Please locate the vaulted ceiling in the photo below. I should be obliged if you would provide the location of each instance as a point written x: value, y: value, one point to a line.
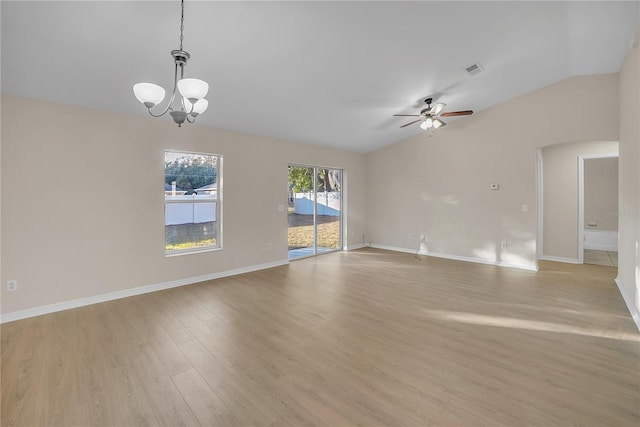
x: 327, y: 73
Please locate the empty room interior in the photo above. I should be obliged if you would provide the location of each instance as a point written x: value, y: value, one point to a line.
x: 238, y: 213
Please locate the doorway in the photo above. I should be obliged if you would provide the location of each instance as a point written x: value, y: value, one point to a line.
x: 561, y: 217
x: 314, y: 210
x: 597, y: 209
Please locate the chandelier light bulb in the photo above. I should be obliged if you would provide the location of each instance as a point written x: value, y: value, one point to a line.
x: 193, y: 89
x: 195, y: 109
x: 148, y: 93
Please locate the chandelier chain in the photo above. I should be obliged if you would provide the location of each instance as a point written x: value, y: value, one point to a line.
x: 181, y: 24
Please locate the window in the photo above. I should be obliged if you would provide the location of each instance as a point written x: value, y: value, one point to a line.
x: 191, y: 202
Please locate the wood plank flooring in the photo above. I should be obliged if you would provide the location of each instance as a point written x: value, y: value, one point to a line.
x: 607, y: 258
x: 367, y: 337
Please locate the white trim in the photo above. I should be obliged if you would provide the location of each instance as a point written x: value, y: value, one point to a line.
x: 540, y: 200
x: 560, y: 259
x: 354, y: 247
x: 531, y: 267
x: 633, y: 310
x: 81, y: 302
x: 581, y: 159
x: 393, y: 248
x: 580, y: 209
x: 608, y: 248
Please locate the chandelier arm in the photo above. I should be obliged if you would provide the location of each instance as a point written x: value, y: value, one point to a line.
x: 173, y: 95
x: 184, y: 107
x: 191, y: 121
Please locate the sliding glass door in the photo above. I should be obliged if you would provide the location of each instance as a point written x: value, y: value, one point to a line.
x: 314, y: 210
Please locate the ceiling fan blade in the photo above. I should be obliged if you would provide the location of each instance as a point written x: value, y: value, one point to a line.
x: 457, y: 113
x: 437, y: 107
x: 437, y: 123
x: 406, y: 115
x: 410, y: 123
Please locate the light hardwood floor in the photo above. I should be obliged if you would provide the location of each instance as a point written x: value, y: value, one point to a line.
x: 368, y: 337
x: 607, y: 258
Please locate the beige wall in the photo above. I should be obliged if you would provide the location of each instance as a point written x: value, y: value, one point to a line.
x: 560, y: 195
x: 629, y: 181
x: 440, y: 185
x: 80, y: 164
x: 601, y: 194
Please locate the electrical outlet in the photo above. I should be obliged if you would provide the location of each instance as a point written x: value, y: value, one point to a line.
x: 12, y: 285
x: 269, y: 246
x: 409, y: 236
x: 503, y: 245
x: 525, y: 208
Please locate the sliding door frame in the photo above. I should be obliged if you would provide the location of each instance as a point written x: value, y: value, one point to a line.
x: 316, y: 168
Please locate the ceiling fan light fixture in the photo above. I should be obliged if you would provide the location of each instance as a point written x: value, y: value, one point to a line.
x: 427, y: 123
x: 429, y: 117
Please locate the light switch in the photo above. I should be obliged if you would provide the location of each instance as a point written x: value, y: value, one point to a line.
x: 525, y: 207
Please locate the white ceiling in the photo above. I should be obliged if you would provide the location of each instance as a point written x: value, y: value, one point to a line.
x: 327, y: 73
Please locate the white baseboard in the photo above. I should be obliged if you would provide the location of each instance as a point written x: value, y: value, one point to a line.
x: 633, y: 310
x: 354, y: 247
x: 559, y: 259
x: 394, y: 248
x: 531, y: 267
x: 600, y: 247
x: 81, y: 302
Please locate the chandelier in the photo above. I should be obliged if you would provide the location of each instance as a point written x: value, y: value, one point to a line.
x: 191, y: 92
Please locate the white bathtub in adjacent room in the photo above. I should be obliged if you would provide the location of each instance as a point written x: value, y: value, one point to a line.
x: 601, y: 240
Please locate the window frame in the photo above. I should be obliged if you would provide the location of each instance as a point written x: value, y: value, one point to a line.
x: 217, y: 201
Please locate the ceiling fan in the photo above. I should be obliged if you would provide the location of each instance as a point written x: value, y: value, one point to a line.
x: 430, y: 116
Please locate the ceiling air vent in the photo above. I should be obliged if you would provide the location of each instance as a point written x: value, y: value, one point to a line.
x: 474, y: 69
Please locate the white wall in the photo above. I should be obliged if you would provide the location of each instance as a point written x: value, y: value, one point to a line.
x: 560, y: 194
x: 629, y: 182
x: 68, y: 155
x: 440, y: 186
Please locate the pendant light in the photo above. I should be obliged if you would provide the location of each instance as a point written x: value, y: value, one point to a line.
x: 191, y: 92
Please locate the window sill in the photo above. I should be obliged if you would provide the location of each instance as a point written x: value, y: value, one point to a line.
x: 190, y: 251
